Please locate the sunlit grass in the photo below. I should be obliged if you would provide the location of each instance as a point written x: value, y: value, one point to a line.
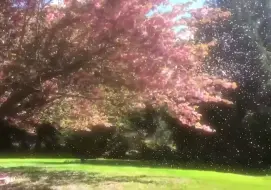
x: 111, y: 174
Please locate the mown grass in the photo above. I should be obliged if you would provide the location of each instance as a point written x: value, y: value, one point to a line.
x: 32, y: 173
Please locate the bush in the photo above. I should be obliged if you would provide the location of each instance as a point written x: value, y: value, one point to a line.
x: 89, y: 144
x: 117, y: 147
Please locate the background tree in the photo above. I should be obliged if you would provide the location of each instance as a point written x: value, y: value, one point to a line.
x: 242, y: 55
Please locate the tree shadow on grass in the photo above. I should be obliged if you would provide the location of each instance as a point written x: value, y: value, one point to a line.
x: 263, y: 171
x: 42, y: 179
x: 171, y: 165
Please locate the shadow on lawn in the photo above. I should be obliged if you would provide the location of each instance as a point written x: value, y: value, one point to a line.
x: 170, y: 165
x: 41, y: 179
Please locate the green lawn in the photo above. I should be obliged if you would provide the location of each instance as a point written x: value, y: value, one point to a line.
x: 30, y: 173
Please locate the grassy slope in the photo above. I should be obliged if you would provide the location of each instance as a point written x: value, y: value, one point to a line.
x: 104, y: 174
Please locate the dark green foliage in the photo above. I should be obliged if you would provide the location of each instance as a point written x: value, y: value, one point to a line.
x: 47, y: 135
x: 243, y: 55
x: 90, y: 144
x: 117, y: 147
x: 241, y: 52
x: 14, y: 138
x: 149, y: 135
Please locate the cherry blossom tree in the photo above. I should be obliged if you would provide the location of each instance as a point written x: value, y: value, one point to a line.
x: 93, y: 60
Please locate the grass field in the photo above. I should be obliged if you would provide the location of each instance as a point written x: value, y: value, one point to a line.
x: 30, y: 173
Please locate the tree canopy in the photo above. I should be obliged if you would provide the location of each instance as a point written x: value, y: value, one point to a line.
x: 89, y: 60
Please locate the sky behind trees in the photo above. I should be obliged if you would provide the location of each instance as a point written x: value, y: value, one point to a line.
x: 197, y: 4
